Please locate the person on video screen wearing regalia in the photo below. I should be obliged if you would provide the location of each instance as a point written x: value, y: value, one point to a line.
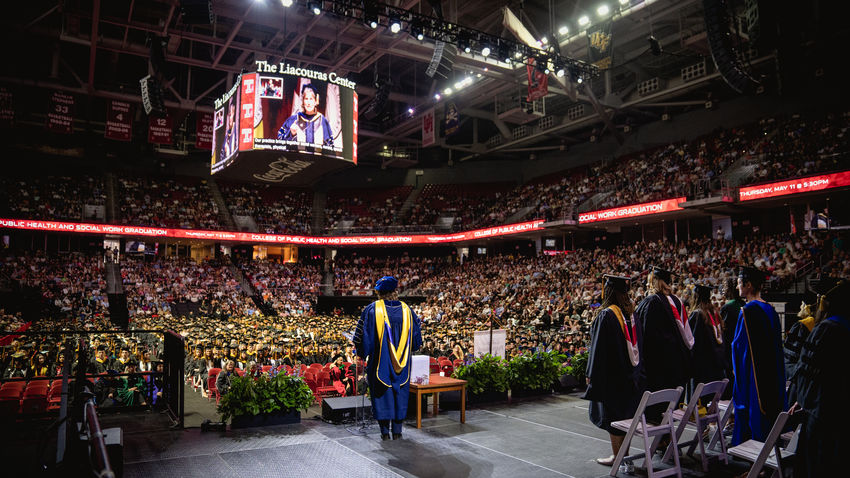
x: 308, y: 125
x: 709, y: 349
x: 231, y: 134
x: 387, y: 335
x: 667, y: 338
x: 824, y: 389
x: 614, y: 383
x: 757, y: 357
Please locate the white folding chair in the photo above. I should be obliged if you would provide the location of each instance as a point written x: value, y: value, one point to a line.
x: 726, y: 409
x: 769, y: 453
x: 712, y: 415
x: 638, y: 424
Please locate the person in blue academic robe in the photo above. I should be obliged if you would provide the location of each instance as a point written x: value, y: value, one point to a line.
x: 387, y: 335
x: 759, y: 388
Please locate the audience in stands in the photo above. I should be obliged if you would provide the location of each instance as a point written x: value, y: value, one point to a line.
x: 165, y: 202
x: 52, y: 198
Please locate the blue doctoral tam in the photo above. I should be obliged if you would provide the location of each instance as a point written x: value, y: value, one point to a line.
x: 386, y: 284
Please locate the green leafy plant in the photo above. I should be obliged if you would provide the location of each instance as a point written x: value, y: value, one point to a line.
x: 535, y: 372
x: 578, y: 366
x: 264, y: 394
x: 487, y: 373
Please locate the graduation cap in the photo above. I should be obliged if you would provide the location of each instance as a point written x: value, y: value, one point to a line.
x: 752, y: 275
x: 617, y: 283
x: 386, y: 284
x: 662, y: 274
x: 821, y: 287
x: 703, y: 292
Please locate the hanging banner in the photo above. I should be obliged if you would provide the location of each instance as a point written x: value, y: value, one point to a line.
x: 246, y: 116
x: 452, y: 119
x: 538, y: 81
x: 119, y: 121
x: 204, y: 131
x: 599, y: 45
x: 7, y: 109
x: 60, y: 113
x: 159, y: 129
x: 795, y: 186
x: 257, y: 238
x: 428, y: 135
x: 634, y: 210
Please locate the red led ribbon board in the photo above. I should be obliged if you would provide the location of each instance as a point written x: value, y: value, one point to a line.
x: 795, y: 186
x: 251, y: 237
x: 634, y: 210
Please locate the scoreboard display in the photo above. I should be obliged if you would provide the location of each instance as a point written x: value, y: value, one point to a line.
x: 285, y: 125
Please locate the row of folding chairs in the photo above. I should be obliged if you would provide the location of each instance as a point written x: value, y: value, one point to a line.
x: 768, y: 454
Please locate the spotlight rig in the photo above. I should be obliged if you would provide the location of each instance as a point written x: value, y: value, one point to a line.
x: 468, y: 40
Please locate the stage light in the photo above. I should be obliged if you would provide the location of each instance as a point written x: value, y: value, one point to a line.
x: 395, y: 25
x: 286, y: 3
x: 417, y: 32
x: 410, y: 111
x: 579, y: 80
x: 518, y: 55
x: 603, y: 10
x: 436, y: 96
x: 544, y: 40
x: 560, y: 72
x: 583, y: 20
x: 447, y: 91
x: 624, y: 2
x: 371, y: 18
x: 485, y: 50
x: 563, y: 30
x: 315, y: 7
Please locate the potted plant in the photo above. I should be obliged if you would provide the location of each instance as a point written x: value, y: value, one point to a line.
x: 267, y: 399
x: 486, y: 377
x: 534, y: 374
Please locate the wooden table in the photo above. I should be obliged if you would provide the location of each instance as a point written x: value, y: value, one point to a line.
x: 437, y: 384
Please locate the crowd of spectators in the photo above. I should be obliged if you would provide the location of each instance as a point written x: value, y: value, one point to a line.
x: 365, y: 208
x: 52, y: 198
x: 466, y: 204
x: 545, y: 302
x: 276, y: 210
x: 168, y: 202
x: 153, y: 285
x: 291, y: 289
x: 71, y: 285
x: 355, y: 275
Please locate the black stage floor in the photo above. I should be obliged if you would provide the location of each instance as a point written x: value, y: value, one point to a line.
x: 547, y: 437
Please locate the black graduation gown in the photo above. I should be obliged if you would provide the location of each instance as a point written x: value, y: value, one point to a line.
x: 666, y: 358
x: 824, y: 393
x: 615, y: 384
x: 729, y: 315
x: 792, y: 348
x: 709, y: 357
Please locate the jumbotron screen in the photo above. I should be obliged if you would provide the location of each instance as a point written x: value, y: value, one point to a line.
x: 285, y: 125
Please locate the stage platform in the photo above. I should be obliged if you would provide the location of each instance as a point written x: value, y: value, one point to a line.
x: 547, y: 437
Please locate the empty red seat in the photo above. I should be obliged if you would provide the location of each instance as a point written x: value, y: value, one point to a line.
x: 34, y: 403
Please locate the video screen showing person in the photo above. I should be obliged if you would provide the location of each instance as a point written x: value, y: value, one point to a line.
x: 226, y: 132
x: 304, y: 115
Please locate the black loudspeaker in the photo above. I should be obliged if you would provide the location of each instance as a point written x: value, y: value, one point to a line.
x: 118, y: 312
x: 722, y: 51
x: 344, y: 409
x: 197, y: 12
x: 442, y: 61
